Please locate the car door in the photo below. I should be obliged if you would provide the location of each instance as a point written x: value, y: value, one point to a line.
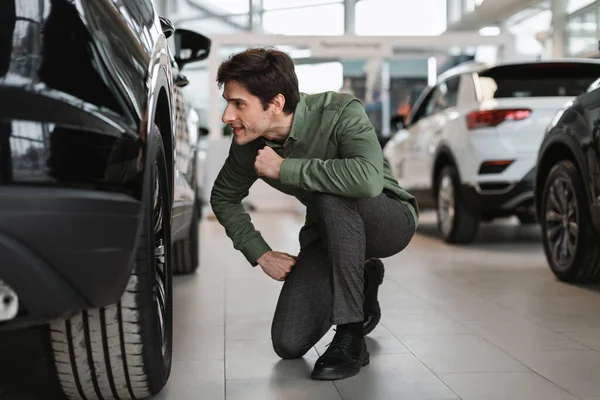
x: 419, y: 129
x: 398, y: 151
x: 442, y: 104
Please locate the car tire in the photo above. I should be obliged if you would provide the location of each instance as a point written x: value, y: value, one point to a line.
x: 567, y: 216
x: 124, y: 350
x: 455, y: 221
x: 187, y: 250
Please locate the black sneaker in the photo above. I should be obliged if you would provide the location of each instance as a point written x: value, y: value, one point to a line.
x: 374, y: 272
x: 344, y: 358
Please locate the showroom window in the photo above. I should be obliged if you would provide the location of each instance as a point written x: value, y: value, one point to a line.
x: 574, y: 5
x: 226, y: 6
x: 582, y: 33
x: 526, y: 25
x: 382, y: 17
x: 326, y: 20
x: 279, y: 4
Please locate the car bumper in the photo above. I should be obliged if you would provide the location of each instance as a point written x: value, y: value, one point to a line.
x: 64, y: 250
x: 501, y: 198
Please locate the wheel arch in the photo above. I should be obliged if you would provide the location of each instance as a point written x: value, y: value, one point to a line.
x: 557, y: 150
x: 162, y: 119
x: 444, y: 156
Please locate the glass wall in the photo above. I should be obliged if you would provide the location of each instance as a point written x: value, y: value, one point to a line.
x: 582, y: 31
x: 531, y: 28
x: 458, y: 8
x: 394, y: 18
x: 325, y: 20
x: 574, y: 5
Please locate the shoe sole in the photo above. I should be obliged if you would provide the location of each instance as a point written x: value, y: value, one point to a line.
x: 334, y: 376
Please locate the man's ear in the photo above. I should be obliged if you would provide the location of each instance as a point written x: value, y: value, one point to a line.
x: 278, y: 103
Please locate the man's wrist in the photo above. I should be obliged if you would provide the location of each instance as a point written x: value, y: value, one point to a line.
x: 261, y: 259
x: 254, y: 248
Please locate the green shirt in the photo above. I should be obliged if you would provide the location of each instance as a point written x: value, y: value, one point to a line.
x: 332, y: 148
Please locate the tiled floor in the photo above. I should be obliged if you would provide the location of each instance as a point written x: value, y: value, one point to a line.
x: 483, y: 322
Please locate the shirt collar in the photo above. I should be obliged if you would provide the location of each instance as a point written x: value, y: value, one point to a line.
x: 299, y: 115
x: 297, y: 122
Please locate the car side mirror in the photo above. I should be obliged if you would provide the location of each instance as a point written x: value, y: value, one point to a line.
x: 397, y: 123
x: 190, y: 46
x: 181, y: 80
x: 167, y: 27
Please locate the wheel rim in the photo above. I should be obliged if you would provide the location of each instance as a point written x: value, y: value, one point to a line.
x: 160, y: 260
x: 446, y: 204
x: 561, y: 218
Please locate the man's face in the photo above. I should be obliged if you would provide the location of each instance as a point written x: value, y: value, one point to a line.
x: 245, y: 114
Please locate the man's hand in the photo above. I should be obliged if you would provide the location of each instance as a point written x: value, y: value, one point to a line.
x: 276, y: 264
x: 268, y: 163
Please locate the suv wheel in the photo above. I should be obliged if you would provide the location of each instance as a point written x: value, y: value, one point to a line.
x: 570, y: 242
x: 123, y: 351
x: 456, y: 222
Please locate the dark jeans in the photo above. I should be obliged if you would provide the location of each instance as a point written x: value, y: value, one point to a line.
x: 326, y: 285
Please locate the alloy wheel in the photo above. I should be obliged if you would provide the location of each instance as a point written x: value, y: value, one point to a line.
x: 562, y: 222
x: 446, y: 206
x: 160, y: 259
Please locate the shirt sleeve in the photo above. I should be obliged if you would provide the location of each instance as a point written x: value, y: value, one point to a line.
x: 359, y: 170
x: 232, y: 185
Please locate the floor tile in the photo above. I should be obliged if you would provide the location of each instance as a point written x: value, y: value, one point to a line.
x: 410, y: 322
x: 460, y: 353
x: 191, y: 380
x: 257, y: 360
x: 394, y: 376
x: 277, y: 389
x: 522, y: 335
x: 504, y: 386
x: 586, y: 334
x: 575, y: 371
x: 248, y: 325
x: 198, y: 343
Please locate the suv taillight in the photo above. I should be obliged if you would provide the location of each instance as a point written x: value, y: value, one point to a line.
x: 491, y: 118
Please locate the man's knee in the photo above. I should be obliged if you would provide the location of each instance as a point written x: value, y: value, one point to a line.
x: 332, y: 203
x: 289, y: 349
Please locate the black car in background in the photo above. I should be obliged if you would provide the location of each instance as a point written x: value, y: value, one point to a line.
x: 567, y: 190
x: 91, y: 195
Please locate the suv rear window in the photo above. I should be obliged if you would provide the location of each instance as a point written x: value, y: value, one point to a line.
x: 538, y: 80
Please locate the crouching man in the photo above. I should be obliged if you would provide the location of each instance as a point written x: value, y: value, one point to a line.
x: 323, y: 150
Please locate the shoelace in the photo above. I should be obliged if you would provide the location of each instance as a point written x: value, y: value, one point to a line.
x: 341, y: 341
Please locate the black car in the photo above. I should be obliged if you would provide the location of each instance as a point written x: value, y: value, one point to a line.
x: 567, y: 190
x: 91, y: 196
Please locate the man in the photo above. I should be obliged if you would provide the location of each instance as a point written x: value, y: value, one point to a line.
x: 323, y: 150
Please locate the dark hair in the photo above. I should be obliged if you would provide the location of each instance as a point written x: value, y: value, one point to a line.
x: 265, y: 73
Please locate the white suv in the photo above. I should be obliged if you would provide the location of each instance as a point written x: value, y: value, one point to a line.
x: 469, y: 147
